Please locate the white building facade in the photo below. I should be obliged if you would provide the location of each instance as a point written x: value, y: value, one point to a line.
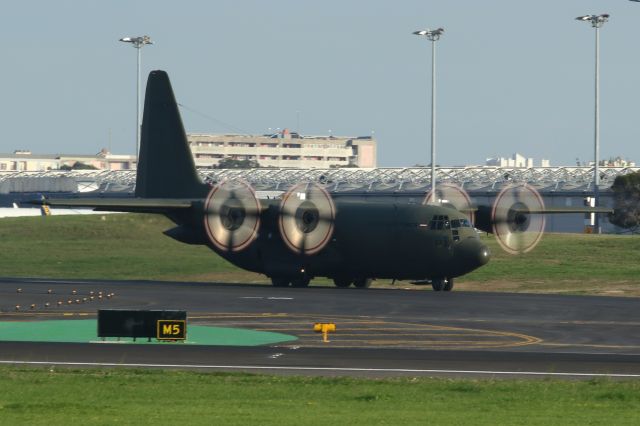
x: 26, y: 161
x: 516, y: 160
x: 284, y: 150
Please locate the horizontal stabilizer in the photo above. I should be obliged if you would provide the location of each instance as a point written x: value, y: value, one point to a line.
x: 150, y: 205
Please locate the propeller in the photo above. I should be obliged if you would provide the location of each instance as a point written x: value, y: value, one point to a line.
x: 232, y: 215
x: 517, y: 222
x: 453, y: 195
x: 307, y: 213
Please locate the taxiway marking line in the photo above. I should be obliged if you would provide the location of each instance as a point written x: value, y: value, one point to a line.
x: 368, y: 333
x: 337, y: 343
x: 587, y: 345
x: 337, y: 369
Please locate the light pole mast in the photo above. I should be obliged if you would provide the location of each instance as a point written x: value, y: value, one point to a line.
x: 432, y: 36
x: 138, y: 43
x: 597, y: 21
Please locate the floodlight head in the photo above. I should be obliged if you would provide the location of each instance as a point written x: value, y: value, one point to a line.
x: 596, y: 20
x: 137, y: 42
x: 432, y: 35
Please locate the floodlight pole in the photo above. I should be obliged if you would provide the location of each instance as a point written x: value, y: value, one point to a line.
x: 432, y: 36
x: 596, y: 22
x: 138, y: 43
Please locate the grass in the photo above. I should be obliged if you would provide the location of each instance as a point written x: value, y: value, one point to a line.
x: 564, y: 263
x: 104, y: 247
x: 115, y: 396
x: 133, y: 247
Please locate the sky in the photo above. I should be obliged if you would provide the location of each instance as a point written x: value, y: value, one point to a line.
x: 512, y: 76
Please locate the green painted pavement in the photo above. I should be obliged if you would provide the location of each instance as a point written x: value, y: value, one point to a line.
x: 85, y: 331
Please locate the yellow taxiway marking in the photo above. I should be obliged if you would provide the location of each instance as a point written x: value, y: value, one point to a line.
x: 367, y: 333
x: 413, y: 343
x: 365, y: 330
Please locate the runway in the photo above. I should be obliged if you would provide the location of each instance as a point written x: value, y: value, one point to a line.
x: 379, y: 332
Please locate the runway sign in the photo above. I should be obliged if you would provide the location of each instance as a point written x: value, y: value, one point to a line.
x: 171, y: 330
x: 139, y: 323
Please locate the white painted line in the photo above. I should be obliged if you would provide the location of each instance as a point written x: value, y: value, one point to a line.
x: 280, y: 298
x: 328, y: 369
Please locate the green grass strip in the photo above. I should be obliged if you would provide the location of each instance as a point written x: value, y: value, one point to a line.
x: 118, y: 396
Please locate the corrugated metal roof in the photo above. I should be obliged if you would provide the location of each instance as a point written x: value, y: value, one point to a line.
x: 474, y: 179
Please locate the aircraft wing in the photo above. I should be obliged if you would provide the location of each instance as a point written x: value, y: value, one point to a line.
x: 548, y: 210
x: 141, y: 205
x: 568, y: 209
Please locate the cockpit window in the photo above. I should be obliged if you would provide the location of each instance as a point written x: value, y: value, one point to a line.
x: 440, y: 222
x: 460, y: 223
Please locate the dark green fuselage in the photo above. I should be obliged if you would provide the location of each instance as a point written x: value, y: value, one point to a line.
x: 370, y: 240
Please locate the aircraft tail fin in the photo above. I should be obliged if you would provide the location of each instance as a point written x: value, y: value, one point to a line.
x: 165, y: 166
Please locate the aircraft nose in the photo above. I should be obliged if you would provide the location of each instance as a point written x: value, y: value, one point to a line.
x: 484, y: 255
x: 472, y: 253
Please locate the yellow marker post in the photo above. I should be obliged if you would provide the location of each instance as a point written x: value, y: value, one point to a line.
x: 325, y: 328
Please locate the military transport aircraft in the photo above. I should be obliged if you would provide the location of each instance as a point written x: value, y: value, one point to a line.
x: 307, y: 233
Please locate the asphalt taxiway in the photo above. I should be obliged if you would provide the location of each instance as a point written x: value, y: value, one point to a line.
x: 380, y: 332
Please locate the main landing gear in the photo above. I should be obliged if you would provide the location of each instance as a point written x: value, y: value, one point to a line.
x: 357, y: 283
x: 293, y: 282
x: 442, y: 284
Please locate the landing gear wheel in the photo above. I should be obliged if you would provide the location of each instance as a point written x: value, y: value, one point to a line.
x: 448, y: 284
x: 437, y: 284
x: 300, y: 282
x: 362, y: 282
x: 342, y: 282
x: 279, y: 282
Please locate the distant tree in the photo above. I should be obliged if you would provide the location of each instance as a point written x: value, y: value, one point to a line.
x: 78, y: 165
x: 345, y: 166
x: 626, y: 201
x: 230, y: 163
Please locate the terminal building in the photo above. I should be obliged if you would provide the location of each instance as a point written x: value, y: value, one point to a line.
x: 284, y: 150
x: 281, y: 150
x: 516, y: 160
x: 26, y: 161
